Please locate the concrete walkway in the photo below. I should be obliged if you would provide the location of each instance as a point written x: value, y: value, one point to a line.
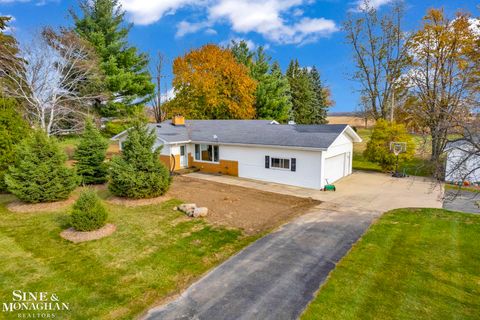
x: 277, y: 276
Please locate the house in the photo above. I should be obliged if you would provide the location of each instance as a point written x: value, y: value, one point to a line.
x: 298, y: 155
x: 463, y: 162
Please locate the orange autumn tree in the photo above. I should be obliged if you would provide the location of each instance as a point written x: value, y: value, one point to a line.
x: 210, y: 84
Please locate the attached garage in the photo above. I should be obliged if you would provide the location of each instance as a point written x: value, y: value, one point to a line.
x: 337, y: 167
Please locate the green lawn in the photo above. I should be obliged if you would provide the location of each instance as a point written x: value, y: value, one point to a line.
x: 411, y: 264
x: 155, y: 252
x: 418, y: 166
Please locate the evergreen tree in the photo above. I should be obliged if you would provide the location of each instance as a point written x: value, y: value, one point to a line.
x: 90, y: 156
x: 303, y: 94
x: 242, y: 53
x: 9, y: 59
x: 12, y: 130
x: 138, y: 172
x: 40, y: 174
x: 322, y: 101
x: 127, y: 77
x: 272, y: 96
x: 273, y: 100
x: 88, y: 213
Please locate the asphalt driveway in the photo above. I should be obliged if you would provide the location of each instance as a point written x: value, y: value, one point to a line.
x: 462, y: 200
x: 275, y: 277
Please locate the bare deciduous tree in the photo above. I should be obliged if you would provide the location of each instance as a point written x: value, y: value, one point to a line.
x: 55, y: 81
x: 380, y: 56
x: 159, y: 107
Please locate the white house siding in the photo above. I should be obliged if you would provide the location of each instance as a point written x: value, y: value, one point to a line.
x: 337, y: 159
x: 462, y: 167
x: 251, y: 164
x: 165, y: 150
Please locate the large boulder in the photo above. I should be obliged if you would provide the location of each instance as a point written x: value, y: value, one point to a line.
x: 192, y: 210
x: 200, y: 212
x: 188, y: 208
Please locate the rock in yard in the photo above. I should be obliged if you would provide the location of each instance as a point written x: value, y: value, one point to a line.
x: 188, y: 208
x: 200, y: 212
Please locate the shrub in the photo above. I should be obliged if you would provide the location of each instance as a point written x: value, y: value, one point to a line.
x: 90, y: 155
x: 138, y: 172
x: 88, y: 212
x: 115, y: 127
x: 40, y: 174
x: 378, y: 148
x: 12, y: 130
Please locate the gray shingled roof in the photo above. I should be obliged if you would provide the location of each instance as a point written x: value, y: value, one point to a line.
x: 256, y: 132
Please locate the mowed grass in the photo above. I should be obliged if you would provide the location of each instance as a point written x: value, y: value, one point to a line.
x: 418, y: 166
x: 411, y: 264
x: 154, y: 253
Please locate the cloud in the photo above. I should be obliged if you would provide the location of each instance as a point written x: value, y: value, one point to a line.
x: 38, y: 3
x: 280, y: 21
x: 169, y: 95
x: 145, y: 12
x: 373, y: 4
x: 185, y: 27
x: 211, y: 31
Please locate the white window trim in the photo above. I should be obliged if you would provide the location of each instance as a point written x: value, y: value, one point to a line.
x: 205, y: 161
x: 284, y: 169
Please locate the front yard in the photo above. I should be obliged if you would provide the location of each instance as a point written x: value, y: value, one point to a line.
x: 411, y: 264
x: 155, y: 252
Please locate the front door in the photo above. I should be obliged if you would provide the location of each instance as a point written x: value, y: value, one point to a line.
x: 183, y: 156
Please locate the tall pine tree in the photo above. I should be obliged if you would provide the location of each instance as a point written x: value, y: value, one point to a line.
x: 272, y: 96
x: 322, y: 95
x: 9, y: 59
x: 303, y: 95
x: 273, y: 99
x: 127, y: 78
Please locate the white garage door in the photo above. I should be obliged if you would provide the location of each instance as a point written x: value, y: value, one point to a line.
x: 335, y: 167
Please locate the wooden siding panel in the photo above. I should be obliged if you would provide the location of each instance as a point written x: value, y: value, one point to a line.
x: 227, y: 167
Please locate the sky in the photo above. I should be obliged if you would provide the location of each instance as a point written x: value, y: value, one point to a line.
x: 307, y: 30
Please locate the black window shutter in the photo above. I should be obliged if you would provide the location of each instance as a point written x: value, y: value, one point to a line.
x: 293, y: 166
x: 267, y: 162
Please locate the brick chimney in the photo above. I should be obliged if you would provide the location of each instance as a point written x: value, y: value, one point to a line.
x: 178, y: 120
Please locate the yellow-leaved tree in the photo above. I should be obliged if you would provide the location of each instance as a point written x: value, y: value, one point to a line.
x: 210, y: 84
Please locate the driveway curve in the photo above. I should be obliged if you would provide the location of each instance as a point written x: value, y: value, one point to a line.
x: 275, y: 277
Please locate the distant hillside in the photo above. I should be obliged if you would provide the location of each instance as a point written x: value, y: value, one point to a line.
x: 354, y: 119
x: 345, y: 114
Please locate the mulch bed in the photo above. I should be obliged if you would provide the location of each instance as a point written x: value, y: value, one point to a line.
x: 81, y: 236
x: 136, y: 202
x: 23, y: 207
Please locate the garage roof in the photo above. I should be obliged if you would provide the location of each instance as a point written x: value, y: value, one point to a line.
x: 252, y: 132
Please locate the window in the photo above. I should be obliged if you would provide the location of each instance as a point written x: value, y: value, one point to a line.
x: 206, y: 152
x: 280, y: 163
